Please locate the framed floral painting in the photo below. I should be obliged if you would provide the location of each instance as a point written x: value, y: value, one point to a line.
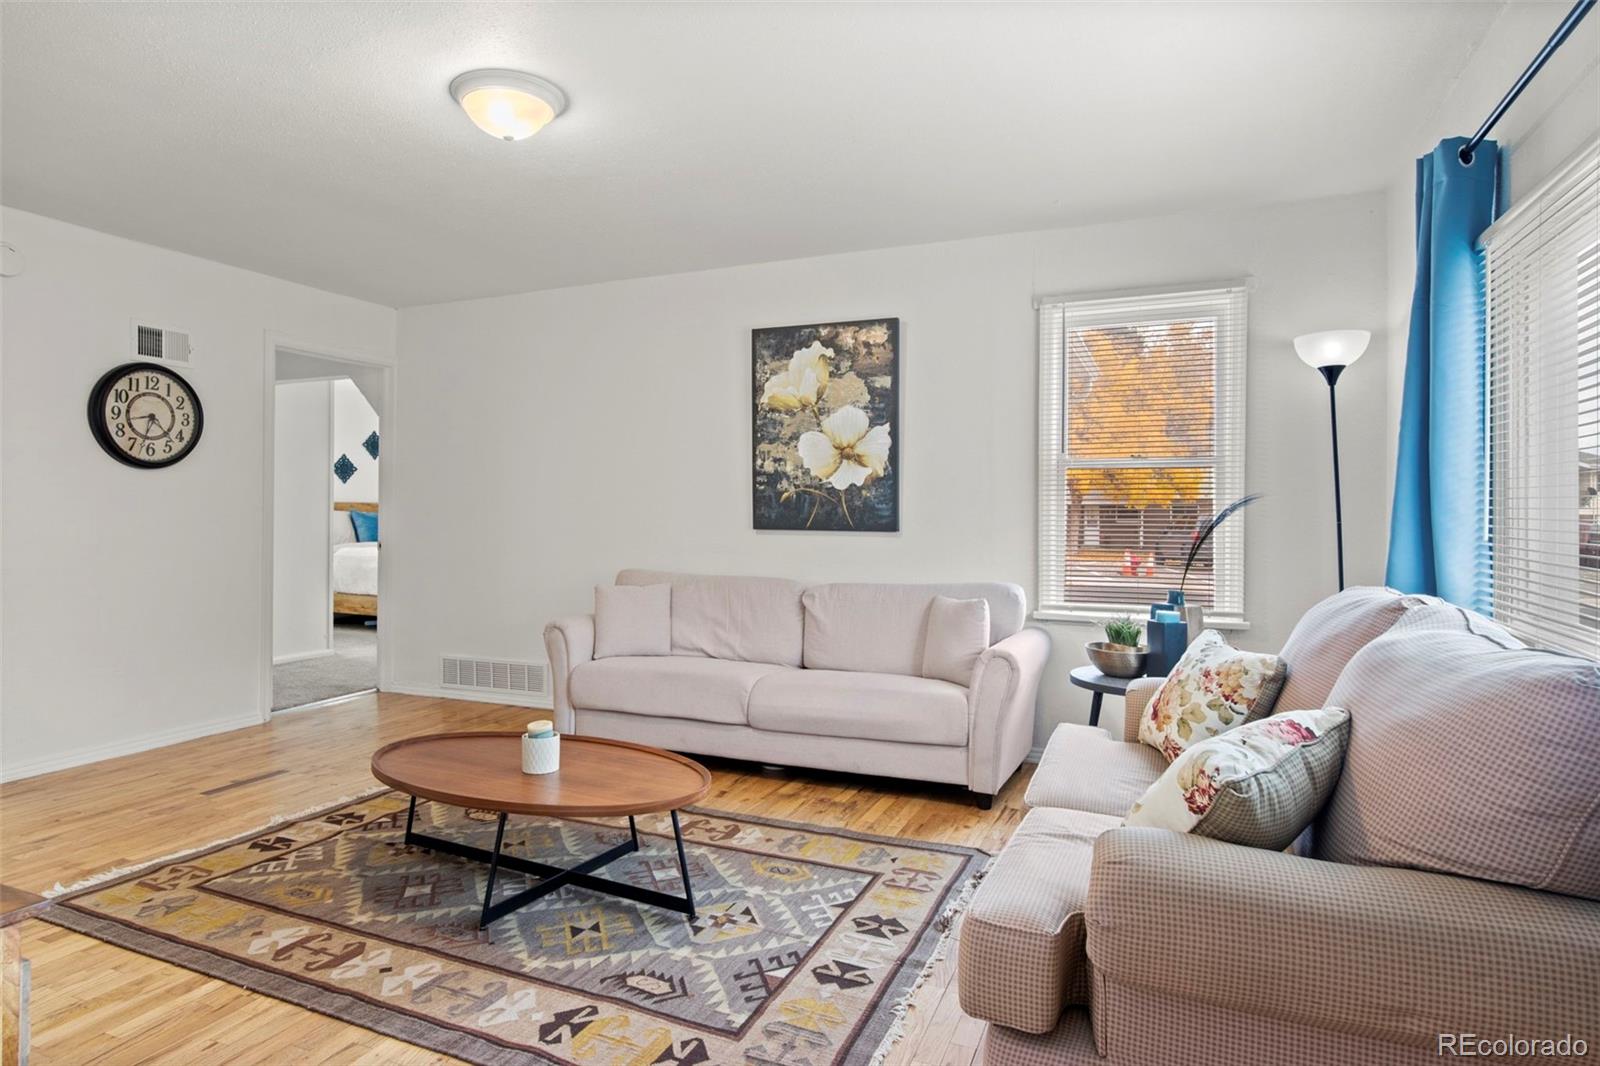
x: 826, y: 433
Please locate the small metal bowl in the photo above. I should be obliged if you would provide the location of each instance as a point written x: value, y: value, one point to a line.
x: 1117, y: 660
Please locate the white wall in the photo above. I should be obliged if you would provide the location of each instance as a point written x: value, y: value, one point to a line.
x: 353, y: 420
x: 302, y: 503
x: 1556, y: 115
x: 131, y: 601
x: 573, y: 432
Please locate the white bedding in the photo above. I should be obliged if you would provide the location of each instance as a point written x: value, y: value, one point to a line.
x: 355, y: 568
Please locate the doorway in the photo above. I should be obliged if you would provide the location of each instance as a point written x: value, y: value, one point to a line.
x: 325, y: 451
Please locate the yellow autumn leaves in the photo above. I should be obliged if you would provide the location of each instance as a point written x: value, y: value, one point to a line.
x: 1136, y: 392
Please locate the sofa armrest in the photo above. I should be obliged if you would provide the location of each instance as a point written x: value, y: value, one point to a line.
x: 1000, y: 706
x: 1021, y: 957
x: 1137, y: 698
x: 567, y: 642
x: 1380, y: 952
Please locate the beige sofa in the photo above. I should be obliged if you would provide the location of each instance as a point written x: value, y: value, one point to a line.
x: 825, y: 676
x: 1446, y: 895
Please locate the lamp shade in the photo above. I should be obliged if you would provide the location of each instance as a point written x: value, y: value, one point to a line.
x: 1332, y: 347
x: 508, y: 104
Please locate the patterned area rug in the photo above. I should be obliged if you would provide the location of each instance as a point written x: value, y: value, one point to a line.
x: 806, y: 948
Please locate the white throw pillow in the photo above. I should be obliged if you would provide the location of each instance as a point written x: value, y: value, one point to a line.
x: 1258, y: 785
x: 958, y: 633
x: 632, y: 620
x: 342, y: 530
x: 1214, y: 688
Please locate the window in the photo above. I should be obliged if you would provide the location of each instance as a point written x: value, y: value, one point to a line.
x: 1141, y: 437
x: 1542, y: 398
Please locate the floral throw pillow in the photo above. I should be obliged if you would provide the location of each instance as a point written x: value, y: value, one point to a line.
x: 1258, y: 785
x: 1214, y: 688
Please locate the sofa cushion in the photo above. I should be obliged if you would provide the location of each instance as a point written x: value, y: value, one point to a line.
x: 1326, y: 637
x: 1022, y: 939
x: 710, y: 690
x: 1215, y: 687
x: 632, y: 620
x: 958, y: 633
x: 837, y: 703
x: 882, y: 629
x: 749, y: 619
x: 1469, y: 754
x: 1259, y: 785
x: 1084, y: 769
x: 1325, y: 951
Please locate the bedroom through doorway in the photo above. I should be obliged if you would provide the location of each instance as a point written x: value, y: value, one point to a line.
x: 327, y: 450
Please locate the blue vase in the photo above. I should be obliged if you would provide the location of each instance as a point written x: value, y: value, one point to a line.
x: 1167, y: 635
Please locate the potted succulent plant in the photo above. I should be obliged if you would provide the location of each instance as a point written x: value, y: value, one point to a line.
x: 1121, y: 654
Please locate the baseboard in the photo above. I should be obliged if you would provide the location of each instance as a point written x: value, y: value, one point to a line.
x: 301, y: 656
x: 513, y: 699
x: 1034, y: 755
x: 331, y: 701
x: 99, y: 752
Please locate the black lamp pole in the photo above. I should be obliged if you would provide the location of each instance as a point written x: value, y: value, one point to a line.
x: 1331, y: 373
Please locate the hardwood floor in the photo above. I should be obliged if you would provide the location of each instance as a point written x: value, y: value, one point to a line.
x: 94, y: 1003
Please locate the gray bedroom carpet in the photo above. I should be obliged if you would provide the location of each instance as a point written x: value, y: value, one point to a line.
x: 352, y: 667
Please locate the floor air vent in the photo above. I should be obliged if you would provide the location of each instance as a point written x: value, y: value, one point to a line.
x: 493, y: 675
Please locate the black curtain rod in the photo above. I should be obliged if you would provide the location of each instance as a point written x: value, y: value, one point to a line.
x: 1563, y: 31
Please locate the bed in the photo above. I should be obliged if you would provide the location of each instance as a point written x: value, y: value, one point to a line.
x: 355, y: 564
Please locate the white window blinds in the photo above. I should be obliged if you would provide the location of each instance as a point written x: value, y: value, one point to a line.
x: 1141, y: 436
x: 1542, y: 267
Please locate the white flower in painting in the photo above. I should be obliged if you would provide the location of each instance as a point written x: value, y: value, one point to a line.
x: 799, y: 386
x: 848, y: 451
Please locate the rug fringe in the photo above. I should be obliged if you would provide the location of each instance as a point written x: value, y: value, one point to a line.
x: 59, y: 890
x: 946, y: 923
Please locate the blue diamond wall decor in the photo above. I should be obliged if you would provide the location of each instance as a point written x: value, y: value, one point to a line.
x: 344, y: 468
x: 371, y: 444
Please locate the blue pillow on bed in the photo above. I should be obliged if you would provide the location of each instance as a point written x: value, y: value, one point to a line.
x: 366, y: 523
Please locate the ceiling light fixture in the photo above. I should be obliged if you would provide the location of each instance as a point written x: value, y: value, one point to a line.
x: 508, y: 104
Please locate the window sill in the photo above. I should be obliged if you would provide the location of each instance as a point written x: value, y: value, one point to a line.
x: 1100, y: 615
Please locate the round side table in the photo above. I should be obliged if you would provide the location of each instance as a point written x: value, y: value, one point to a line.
x: 1100, y: 684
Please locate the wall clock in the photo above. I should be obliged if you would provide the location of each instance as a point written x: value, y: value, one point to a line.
x: 145, y: 415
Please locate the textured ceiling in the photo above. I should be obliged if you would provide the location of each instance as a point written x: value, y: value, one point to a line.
x: 317, y: 142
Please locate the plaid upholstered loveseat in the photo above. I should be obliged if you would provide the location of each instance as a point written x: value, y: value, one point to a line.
x: 1444, y: 904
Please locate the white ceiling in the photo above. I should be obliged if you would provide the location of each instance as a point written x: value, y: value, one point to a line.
x: 317, y: 141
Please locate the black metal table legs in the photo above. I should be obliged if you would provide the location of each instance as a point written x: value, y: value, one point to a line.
x: 554, y: 877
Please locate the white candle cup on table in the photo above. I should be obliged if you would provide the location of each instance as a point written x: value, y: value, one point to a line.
x: 541, y: 748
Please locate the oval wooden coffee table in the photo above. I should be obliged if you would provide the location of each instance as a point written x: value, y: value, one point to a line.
x: 597, y: 778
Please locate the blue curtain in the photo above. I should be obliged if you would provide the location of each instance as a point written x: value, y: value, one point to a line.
x: 1437, y: 537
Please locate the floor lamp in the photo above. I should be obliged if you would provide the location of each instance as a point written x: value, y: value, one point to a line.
x: 1329, y: 353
